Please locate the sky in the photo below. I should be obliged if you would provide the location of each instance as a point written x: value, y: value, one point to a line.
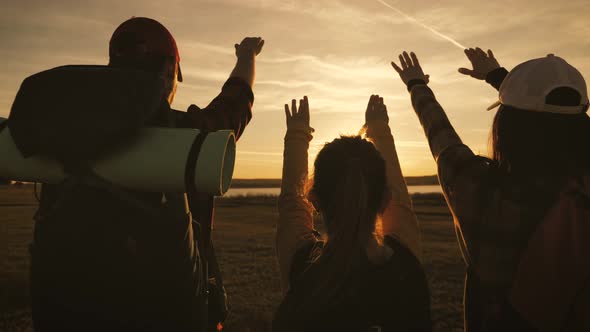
x: 337, y: 52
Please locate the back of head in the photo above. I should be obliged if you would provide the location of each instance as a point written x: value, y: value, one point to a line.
x: 542, y: 128
x: 349, y: 174
x: 349, y: 184
x: 142, y: 43
x: 145, y: 44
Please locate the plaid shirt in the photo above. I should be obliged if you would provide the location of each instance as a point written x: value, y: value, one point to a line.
x: 231, y: 109
x: 494, y: 214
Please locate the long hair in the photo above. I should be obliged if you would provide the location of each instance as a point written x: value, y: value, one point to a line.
x: 536, y: 144
x: 349, y: 184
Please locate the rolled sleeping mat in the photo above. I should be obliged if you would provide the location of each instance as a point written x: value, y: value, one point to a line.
x: 156, y: 160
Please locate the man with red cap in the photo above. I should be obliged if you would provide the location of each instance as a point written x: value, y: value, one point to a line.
x: 145, y: 44
x: 131, y: 274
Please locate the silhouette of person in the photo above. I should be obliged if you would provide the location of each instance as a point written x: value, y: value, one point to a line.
x: 102, y: 261
x: 540, y: 147
x: 359, y: 277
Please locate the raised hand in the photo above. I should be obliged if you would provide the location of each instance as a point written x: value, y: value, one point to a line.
x: 250, y: 46
x: 298, y: 118
x: 376, y: 110
x: 481, y: 62
x: 410, y: 68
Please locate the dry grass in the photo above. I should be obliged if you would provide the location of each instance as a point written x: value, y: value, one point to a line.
x: 244, y: 237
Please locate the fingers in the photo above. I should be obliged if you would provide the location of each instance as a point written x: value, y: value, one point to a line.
x: 414, y: 59
x: 466, y: 71
x: 474, y: 53
x: 397, y: 69
x: 287, y: 113
x: 254, y: 44
x: 371, y: 102
x: 480, y: 52
x: 403, y: 62
x: 381, y: 103
x: 375, y: 101
x: 304, y: 108
x: 470, y: 52
x: 293, y: 107
x: 408, y: 60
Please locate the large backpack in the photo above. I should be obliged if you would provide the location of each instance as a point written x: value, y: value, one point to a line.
x: 74, y: 114
x: 553, y: 272
x: 554, y: 269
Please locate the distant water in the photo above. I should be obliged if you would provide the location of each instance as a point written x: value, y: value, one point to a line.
x: 275, y: 191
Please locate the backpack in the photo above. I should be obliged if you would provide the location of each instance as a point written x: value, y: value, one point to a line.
x: 94, y: 109
x: 389, y: 297
x: 555, y: 266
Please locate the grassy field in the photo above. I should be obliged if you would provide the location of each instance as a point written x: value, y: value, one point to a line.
x: 244, y: 237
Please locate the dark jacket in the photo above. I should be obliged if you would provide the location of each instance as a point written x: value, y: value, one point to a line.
x: 101, y: 263
x: 494, y: 214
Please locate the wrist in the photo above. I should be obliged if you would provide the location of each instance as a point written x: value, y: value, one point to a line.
x: 303, y: 132
x: 415, y: 81
x: 246, y: 55
x: 376, y: 129
x: 303, y: 128
x: 376, y: 124
x: 496, y: 75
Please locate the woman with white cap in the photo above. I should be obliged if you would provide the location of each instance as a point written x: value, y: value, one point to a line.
x: 522, y: 216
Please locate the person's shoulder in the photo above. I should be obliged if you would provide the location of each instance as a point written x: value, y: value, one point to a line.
x: 402, y: 256
x: 303, y: 258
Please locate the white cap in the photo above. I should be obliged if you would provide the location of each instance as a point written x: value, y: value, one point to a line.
x: 529, y: 83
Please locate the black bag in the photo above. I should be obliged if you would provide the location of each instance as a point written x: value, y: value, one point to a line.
x: 78, y: 112
x: 74, y: 114
x: 392, y: 297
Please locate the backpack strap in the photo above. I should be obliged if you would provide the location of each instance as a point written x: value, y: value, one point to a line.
x: 201, y: 207
x: 218, y: 304
x: 474, y: 317
x: 3, y: 125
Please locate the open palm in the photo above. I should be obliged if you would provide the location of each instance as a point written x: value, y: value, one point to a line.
x: 298, y: 117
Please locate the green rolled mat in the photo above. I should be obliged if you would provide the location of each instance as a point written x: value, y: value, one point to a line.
x: 156, y: 160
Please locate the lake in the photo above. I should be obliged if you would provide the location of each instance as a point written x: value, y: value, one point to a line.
x: 275, y: 191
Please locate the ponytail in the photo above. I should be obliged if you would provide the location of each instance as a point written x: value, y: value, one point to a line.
x: 349, y: 210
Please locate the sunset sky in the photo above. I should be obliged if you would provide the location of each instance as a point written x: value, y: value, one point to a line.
x: 337, y: 52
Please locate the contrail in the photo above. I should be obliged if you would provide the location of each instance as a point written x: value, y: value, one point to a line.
x: 412, y: 19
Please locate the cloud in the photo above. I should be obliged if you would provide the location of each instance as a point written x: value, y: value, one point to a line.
x: 206, y: 47
x: 425, y: 26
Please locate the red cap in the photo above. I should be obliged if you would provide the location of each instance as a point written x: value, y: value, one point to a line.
x: 143, y: 36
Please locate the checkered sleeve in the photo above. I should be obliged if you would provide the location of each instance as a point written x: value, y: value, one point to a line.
x: 231, y: 109
x: 461, y: 173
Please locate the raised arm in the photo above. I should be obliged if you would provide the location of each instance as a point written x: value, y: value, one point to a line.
x: 398, y: 219
x: 462, y: 175
x: 485, y: 67
x: 232, y: 108
x: 295, y: 225
x: 246, y: 52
